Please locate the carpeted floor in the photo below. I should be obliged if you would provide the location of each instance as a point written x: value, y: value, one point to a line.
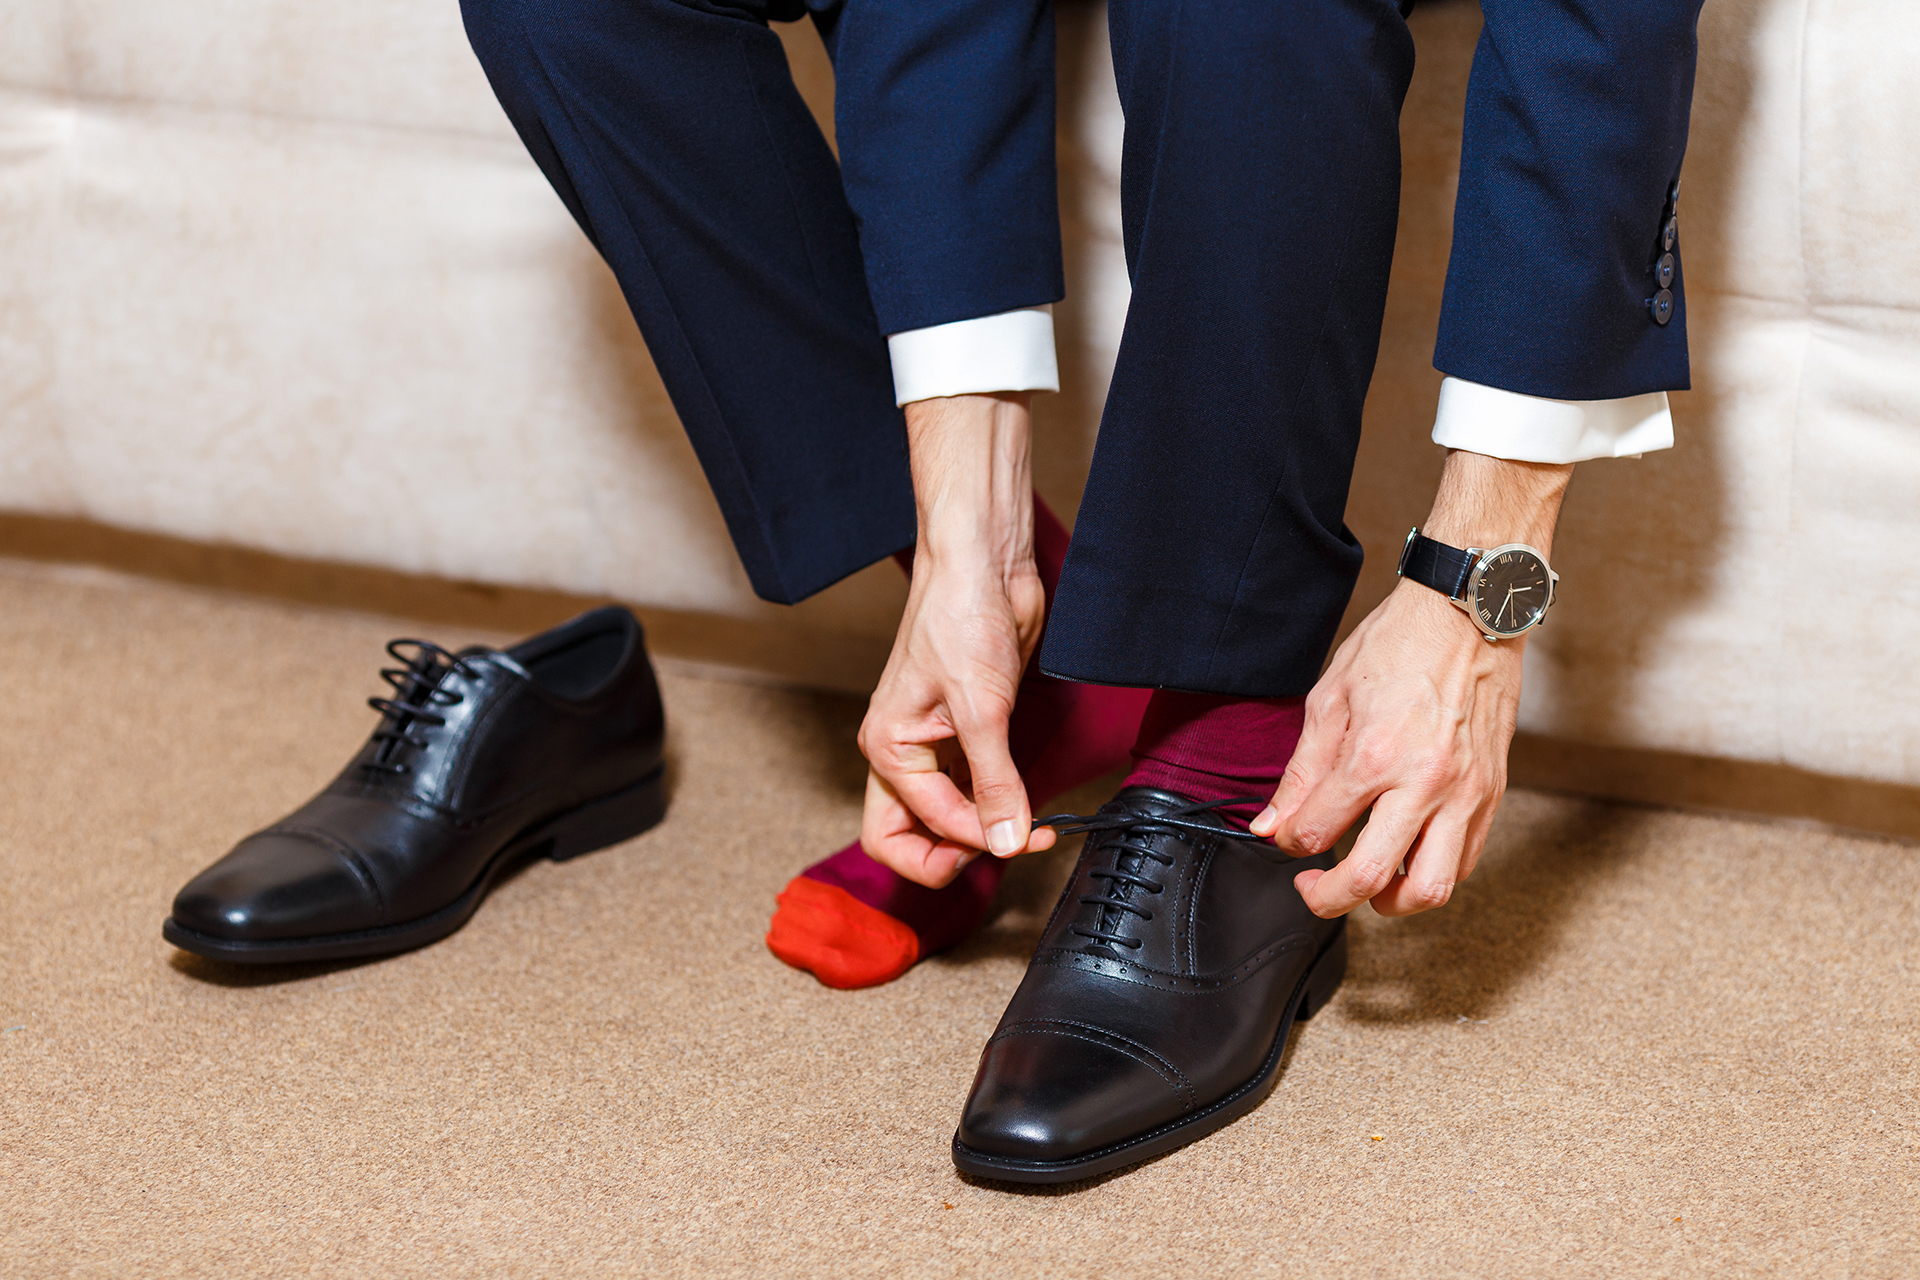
x: 1637, y: 1043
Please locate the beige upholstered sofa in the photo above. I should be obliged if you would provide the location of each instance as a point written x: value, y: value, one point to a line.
x: 278, y: 276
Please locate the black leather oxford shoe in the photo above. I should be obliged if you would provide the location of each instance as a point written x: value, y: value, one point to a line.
x: 482, y: 758
x: 1157, y: 1005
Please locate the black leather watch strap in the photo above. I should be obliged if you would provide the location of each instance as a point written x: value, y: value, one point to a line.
x: 1435, y: 564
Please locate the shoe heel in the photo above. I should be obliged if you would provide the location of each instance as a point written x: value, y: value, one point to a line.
x: 609, y: 820
x: 1324, y: 978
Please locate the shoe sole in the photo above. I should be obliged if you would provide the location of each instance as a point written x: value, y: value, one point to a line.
x: 1314, y: 989
x: 594, y: 825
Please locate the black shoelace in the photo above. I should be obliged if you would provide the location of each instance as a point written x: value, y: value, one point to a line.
x: 418, y: 685
x: 1127, y: 823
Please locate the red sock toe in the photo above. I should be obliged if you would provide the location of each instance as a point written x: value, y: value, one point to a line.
x: 852, y: 922
x: 838, y: 938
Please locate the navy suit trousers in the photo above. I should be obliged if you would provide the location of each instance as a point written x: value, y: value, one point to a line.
x: 1260, y: 191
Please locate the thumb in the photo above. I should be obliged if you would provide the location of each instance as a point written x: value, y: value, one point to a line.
x: 1000, y: 797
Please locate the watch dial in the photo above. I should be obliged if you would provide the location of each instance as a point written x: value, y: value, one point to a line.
x: 1512, y: 591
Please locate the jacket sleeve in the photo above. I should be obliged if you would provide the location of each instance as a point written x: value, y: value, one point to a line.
x: 943, y: 111
x: 1565, y: 278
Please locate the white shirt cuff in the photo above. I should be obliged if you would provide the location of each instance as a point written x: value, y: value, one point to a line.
x: 1506, y: 424
x: 1012, y: 351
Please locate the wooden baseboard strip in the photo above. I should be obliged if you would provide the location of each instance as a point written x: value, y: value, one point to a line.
x: 840, y: 663
x: 816, y: 660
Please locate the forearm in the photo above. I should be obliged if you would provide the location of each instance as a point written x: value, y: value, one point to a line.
x: 1485, y: 502
x: 973, y: 481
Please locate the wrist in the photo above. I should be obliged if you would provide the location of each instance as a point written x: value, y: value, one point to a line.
x: 973, y: 482
x: 1430, y: 607
x: 1436, y: 615
x: 1487, y: 502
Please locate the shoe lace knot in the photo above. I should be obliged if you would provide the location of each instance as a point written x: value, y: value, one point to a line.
x: 418, y: 688
x: 1127, y: 834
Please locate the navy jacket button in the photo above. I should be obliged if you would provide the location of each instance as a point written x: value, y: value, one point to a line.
x: 1670, y: 234
x: 1663, y: 272
x: 1662, y: 304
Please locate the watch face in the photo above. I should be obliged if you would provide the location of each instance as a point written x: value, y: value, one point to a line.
x: 1510, y: 590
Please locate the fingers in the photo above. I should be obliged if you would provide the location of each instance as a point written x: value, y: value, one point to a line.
x: 1367, y: 871
x: 892, y: 837
x: 1340, y: 794
x: 937, y: 801
x: 1482, y: 823
x: 1440, y: 857
x: 964, y: 788
x: 1434, y: 865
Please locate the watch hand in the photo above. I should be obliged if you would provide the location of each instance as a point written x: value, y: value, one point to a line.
x: 1504, y: 606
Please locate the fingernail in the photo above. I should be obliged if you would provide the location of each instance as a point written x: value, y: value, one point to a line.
x: 1004, y: 839
x: 1264, y: 824
x: 960, y: 861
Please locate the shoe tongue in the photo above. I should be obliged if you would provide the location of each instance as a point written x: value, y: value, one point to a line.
x: 1149, y: 800
x: 1144, y: 801
x: 413, y: 697
x: 1122, y: 854
x: 498, y: 657
x: 1224, y: 814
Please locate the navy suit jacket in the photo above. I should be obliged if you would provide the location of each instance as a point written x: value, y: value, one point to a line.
x: 1576, y: 125
x: 944, y: 115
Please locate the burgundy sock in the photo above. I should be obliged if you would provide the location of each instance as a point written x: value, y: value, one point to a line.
x: 1211, y: 747
x: 853, y: 922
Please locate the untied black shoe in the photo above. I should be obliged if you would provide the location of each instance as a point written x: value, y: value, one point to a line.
x: 482, y: 758
x: 1158, y: 1003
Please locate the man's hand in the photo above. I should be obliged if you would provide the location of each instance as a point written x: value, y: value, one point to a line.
x: 1414, y: 717
x: 941, y: 784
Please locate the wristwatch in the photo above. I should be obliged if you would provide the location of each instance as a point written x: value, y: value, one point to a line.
x: 1506, y: 591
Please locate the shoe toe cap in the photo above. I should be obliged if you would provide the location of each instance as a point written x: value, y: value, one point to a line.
x: 1060, y: 1092
x: 278, y: 885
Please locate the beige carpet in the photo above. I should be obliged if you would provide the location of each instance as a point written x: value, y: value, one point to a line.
x: 1638, y: 1043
